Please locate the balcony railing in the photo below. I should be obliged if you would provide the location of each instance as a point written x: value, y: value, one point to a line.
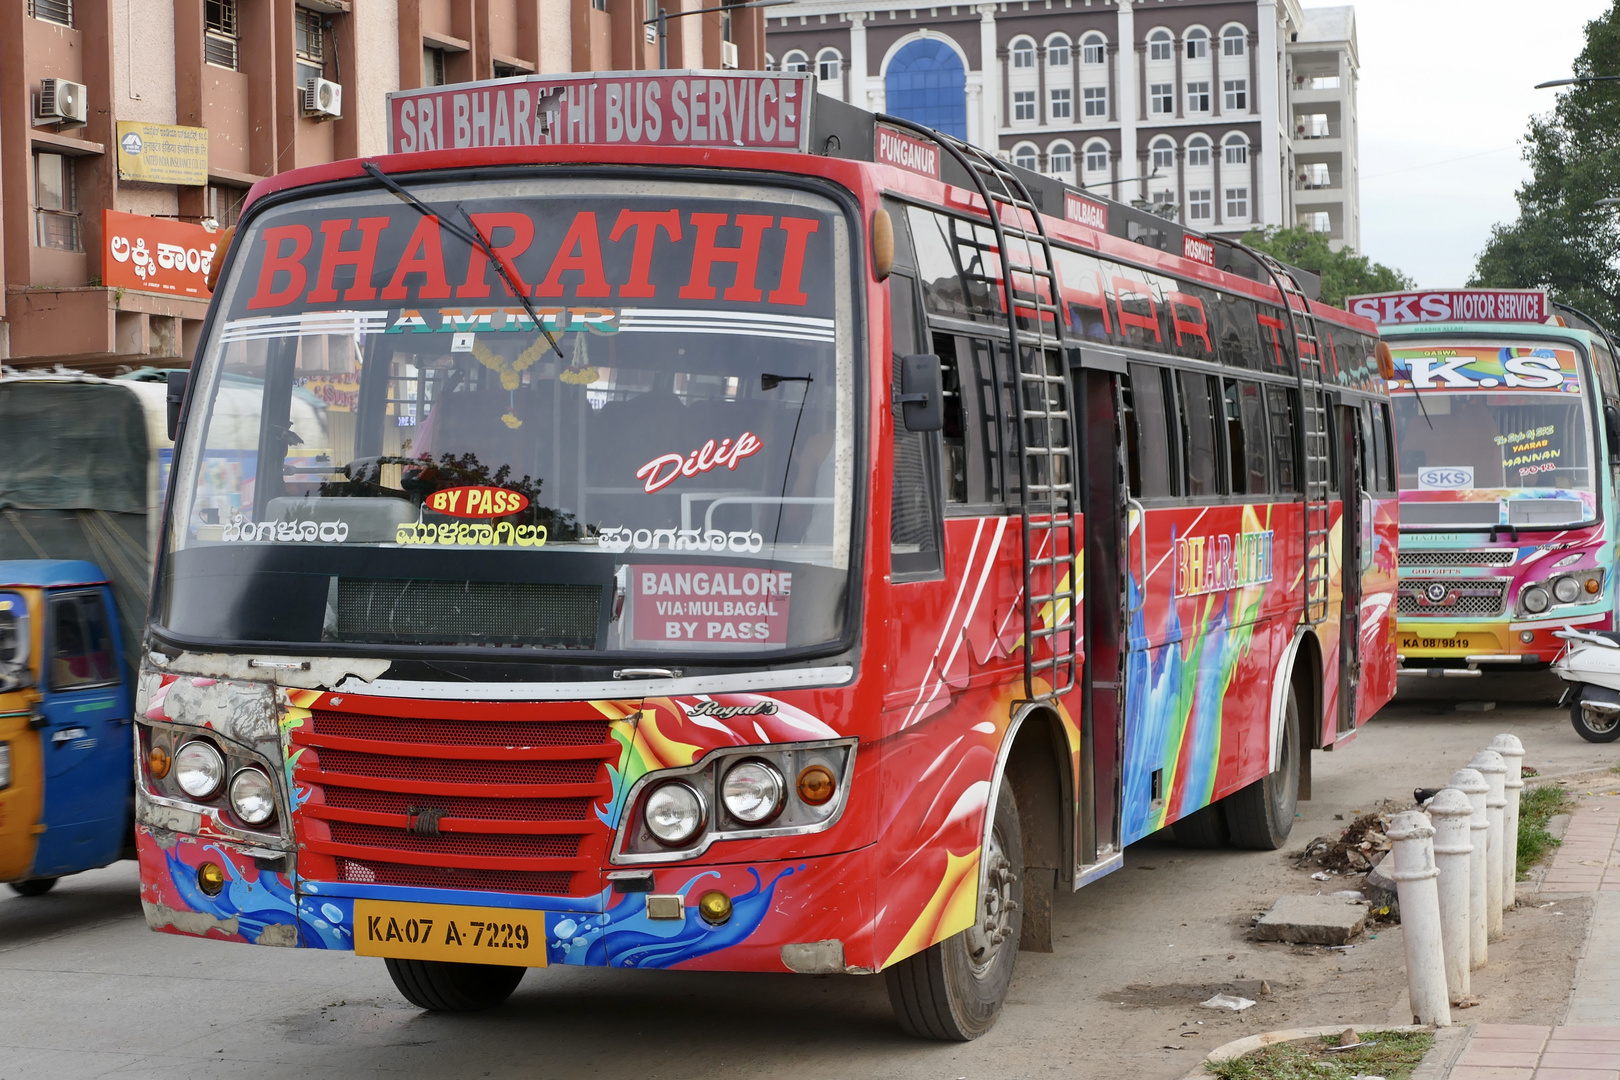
x: 1317, y: 131
x: 1316, y: 82
x: 1317, y: 181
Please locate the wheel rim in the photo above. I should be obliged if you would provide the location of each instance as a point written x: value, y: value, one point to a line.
x: 1285, y: 781
x: 988, y: 936
x: 1600, y: 723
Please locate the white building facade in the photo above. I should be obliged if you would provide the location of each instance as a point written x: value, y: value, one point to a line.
x: 1186, y: 104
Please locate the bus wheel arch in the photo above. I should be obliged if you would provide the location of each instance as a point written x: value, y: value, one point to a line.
x: 1036, y: 764
x: 1261, y: 815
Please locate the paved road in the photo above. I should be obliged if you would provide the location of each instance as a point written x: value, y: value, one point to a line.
x: 87, y: 991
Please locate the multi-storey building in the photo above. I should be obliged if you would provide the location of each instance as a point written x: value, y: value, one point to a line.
x: 1210, y: 110
x: 232, y: 91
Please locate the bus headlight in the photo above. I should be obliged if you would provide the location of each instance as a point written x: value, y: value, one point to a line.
x: 1567, y: 590
x: 253, y: 797
x: 1535, y: 600
x: 753, y: 792
x: 675, y: 813
x: 199, y: 769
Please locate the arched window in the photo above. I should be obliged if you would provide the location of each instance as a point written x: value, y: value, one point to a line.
x: 829, y: 65
x: 1198, y: 151
x: 1163, y: 151
x: 1234, y: 41
x: 1025, y: 156
x: 926, y: 83
x: 1096, y: 156
x: 1060, y: 159
x: 1161, y: 45
x: 795, y: 61
x: 1023, y: 53
x: 1094, y: 49
x: 1057, y: 51
x: 1197, y: 43
x: 1236, y: 149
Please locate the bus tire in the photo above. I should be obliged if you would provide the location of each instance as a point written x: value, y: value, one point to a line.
x: 33, y: 886
x: 1203, y: 828
x: 1261, y: 815
x: 443, y: 986
x: 953, y: 990
x: 1592, y: 726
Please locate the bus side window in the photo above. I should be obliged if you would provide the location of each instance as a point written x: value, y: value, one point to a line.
x: 1371, y: 467
x: 1255, y: 462
x: 1283, y: 409
x: 992, y: 441
x: 1382, y: 428
x: 956, y: 426
x: 1232, y: 415
x: 1147, y: 433
x: 1199, y: 453
x: 914, y: 518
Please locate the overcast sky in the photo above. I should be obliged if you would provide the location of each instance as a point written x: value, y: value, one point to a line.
x: 1445, y: 95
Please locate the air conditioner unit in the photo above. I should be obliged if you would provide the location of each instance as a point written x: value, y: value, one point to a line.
x: 728, y: 54
x: 322, y: 97
x: 62, y: 101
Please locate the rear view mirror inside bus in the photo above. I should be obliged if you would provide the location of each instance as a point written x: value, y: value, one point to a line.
x: 922, y: 393
x: 175, y: 398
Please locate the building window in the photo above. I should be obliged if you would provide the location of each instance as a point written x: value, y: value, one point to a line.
x: 926, y: 83
x: 1315, y: 175
x: 219, y: 33
x: 1062, y: 103
x: 1160, y: 45
x: 225, y: 204
x: 433, y: 73
x: 309, y: 45
x: 504, y: 71
x: 1197, y: 151
x: 1164, y: 154
x: 56, y: 202
x: 829, y: 65
x: 1057, y: 52
x: 1161, y: 98
x: 1234, y: 41
x: 1197, y: 44
x: 770, y: 62
x: 1023, y: 54
x: 1096, y: 100
x: 1199, y: 204
x: 56, y: 11
x: 1198, y: 97
x: 1237, y: 202
x: 1060, y: 159
x: 795, y: 61
x: 1237, y: 95
x: 1096, y: 157
x: 599, y: 5
x: 1094, y: 49
x: 1318, y: 221
x: 1237, y: 151
x: 1024, y: 157
x: 1023, y: 105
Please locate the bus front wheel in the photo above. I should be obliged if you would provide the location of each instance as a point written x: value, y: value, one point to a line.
x: 953, y: 990
x: 1261, y: 815
x: 442, y: 986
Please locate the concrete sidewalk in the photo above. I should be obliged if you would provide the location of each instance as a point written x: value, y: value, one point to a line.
x: 1586, y: 1046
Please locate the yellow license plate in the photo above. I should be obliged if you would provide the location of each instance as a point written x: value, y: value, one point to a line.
x: 1411, y: 642
x: 463, y: 935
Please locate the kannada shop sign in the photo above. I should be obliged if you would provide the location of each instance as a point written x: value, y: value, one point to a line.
x: 162, y: 153
x: 754, y: 110
x: 155, y: 254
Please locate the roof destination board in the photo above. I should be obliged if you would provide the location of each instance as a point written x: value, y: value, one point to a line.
x: 755, y: 110
x: 1452, y: 305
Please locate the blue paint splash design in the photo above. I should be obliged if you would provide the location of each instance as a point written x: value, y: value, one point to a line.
x: 255, y: 905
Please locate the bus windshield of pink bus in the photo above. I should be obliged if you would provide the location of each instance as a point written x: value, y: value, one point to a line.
x: 384, y: 447
x: 1493, y: 435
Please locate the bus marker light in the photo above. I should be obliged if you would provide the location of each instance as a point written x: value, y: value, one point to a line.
x: 158, y: 762
x: 817, y: 784
x: 1593, y: 585
x: 715, y: 907
x: 210, y: 878
x: 882, y: 243
x: 1527, y: 636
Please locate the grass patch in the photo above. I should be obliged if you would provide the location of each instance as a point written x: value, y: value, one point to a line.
x: 1536, y: 807
x: 1396, y: 1054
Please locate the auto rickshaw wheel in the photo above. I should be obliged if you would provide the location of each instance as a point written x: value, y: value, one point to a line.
x: 34, y: 886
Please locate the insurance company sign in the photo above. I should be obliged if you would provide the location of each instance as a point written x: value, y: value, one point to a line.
x: 1452, y: 305
x: 752, y: 110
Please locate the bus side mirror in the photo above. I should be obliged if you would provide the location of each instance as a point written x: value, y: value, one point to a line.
x: 922, y: 393
x: 1611, y: 425
x: 175, y: 398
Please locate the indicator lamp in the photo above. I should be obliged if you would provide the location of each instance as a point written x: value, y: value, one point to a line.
x: 715, y: 907
x: 817, y: 785
x: 210, y: 878
x: 158, y: 762
x: 1593, y: 585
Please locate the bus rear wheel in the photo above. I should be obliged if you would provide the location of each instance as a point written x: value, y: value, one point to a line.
x: 953, y: 991
x: 442, y: 986
x: 1261, y: 816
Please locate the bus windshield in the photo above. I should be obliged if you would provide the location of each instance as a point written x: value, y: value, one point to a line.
x: 1493, y: 436
x: 383, y: 449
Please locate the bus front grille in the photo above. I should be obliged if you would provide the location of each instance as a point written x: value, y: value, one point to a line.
x: 502, y: 803
x: 1448, y: 598
x: 1466, y: 557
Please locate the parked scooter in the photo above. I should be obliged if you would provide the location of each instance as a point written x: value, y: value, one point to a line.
x: 1590, y: 663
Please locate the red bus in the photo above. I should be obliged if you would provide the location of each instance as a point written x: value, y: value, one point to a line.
x: 594, y: 541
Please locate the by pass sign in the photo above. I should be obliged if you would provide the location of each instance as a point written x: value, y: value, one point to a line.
x: 1198, y: 249
x: 156, y: 254
x: 1452, y: 305
x: 906, y: 151
x: 1084, y: 211
x: 757, y: 110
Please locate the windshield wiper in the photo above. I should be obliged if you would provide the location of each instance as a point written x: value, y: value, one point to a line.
x: 473, y: 237
x: 1422, y: 408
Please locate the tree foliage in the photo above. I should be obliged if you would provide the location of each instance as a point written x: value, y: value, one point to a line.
x: 1344, y: 273
x: 1565, y: 240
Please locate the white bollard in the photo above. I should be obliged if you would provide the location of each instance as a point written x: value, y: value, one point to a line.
x: 1450, y: 811
x: 1512, y: 751
x: 1494, y: 769
x: 1414, y: 874
x: 1472, y: 784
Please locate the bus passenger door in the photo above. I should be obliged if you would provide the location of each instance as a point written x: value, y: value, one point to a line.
x: 1352, y: 552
